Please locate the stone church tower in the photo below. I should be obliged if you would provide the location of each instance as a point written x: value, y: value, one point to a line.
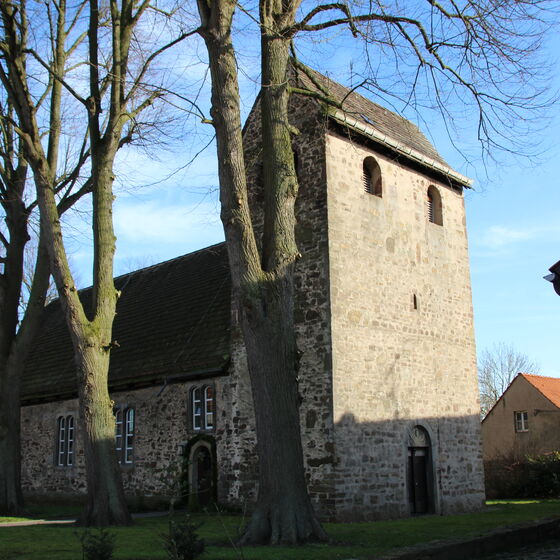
x: 388, y: 383
x: 390, y: 413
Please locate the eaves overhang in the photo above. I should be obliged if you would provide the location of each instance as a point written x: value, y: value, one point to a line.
x: 398, y: 147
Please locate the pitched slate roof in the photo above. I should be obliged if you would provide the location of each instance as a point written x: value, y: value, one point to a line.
x: 172, y: 320
x: 548, y: 386
x: 396, y: 131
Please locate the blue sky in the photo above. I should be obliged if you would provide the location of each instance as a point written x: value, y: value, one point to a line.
x: 512, y: 214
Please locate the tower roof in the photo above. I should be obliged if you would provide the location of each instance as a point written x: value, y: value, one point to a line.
x: 373, y: 120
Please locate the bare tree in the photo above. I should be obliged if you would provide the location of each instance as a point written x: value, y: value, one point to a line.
x: 24, y: 266
x: 497, y: 368
x: 475, y: 51
x: 110, y: 87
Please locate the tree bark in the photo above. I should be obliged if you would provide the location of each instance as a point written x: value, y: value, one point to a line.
x: 105, y: 490
x: 11, y: 499
x: 263, y: 284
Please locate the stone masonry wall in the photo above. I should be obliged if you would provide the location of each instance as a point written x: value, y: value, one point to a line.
x: 162, y: 430
x: 395, y: 366
x: 312, y: 322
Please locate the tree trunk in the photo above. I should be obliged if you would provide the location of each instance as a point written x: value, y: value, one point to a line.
x: 283, y: 513
x: 105, y: 499
x: 263, y: 284
x: 11, y: 500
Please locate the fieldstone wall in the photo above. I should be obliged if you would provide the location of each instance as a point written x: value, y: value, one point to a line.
x: 402, y: 335
x: 162, y: 431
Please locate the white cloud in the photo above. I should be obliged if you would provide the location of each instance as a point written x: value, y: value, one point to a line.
x: 496, y: 237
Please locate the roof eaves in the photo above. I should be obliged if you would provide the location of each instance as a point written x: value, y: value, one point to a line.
x: 344, y: 118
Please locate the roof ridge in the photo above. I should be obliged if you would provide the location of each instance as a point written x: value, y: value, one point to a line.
x: 178, y: 257
x: 525, y: 374
x: 354, y: 91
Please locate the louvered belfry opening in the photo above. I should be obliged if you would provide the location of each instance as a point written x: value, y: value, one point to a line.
x: 434, y: 207
x: 371, y: 177
x: 430, y: 203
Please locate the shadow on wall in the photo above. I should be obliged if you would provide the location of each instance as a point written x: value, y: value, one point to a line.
x: 403, y: 467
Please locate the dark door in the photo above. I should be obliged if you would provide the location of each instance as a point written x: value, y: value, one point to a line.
x: 204, y: 476
x: 419, y: 496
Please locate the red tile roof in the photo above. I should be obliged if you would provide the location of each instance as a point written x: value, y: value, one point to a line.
x: 548, y: 386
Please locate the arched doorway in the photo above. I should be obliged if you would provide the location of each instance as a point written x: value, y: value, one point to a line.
x: 201, y: 472
x: 420, y: 472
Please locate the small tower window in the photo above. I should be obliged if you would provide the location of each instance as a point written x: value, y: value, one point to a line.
x: 433, y: 206
x: 371, y: 177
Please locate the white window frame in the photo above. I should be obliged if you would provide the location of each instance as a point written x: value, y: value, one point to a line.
x: 125, y: 424
x: 129, y: 418
x: 521, y: 421
x: 203, y: 408
x: 209, y: 407
x: 65, y: 441
x: 197, y: 406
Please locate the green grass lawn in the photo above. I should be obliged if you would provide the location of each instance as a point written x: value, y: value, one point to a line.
x: 143, y: 541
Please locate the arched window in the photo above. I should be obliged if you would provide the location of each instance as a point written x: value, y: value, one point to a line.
x: 371, y: 177
x: 434, y: 206
x: 124, y: 434
x: 65, y: 441
x: 202, y: 408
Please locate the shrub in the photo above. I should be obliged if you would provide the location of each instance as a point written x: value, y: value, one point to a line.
x: 97, y: 545
x: 531, y: 477
x: 182, y: 542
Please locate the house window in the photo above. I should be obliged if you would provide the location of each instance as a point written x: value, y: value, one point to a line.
x: 521, y: 421
x: 434, y: 206
x: 124, y: 434
x: 65, y: 441
x: 371, y: 177
x: 202, y: 407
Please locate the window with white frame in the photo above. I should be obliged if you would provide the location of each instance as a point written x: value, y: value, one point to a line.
x: 202, y: 411
x: 521, y: 421
x: 124, y: 434
x: 65, y: 441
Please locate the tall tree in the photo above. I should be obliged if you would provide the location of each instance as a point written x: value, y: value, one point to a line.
x: 114, y: 96
x: 497, y: 367
x: 477, y: 51
x: 20, y: 279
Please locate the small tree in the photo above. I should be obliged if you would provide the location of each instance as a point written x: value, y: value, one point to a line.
x: 497, y: 367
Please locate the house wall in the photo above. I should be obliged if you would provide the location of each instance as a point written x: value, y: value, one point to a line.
x: 394, y: 366
x: 499, y: 438
x: 162, y: 432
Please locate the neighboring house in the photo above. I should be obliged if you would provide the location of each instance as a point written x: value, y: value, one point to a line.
x: 524, y: 421
x: 388, y: 378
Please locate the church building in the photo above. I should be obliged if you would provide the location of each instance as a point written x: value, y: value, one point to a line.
x: 388, y: 377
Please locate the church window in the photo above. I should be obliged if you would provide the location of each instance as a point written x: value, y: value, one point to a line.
x: 65, y: 441
x: 124, y: 434
x: 371, y: 177
x: 521, y: 421
x: 434, y: 206
x: 202, y: 407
